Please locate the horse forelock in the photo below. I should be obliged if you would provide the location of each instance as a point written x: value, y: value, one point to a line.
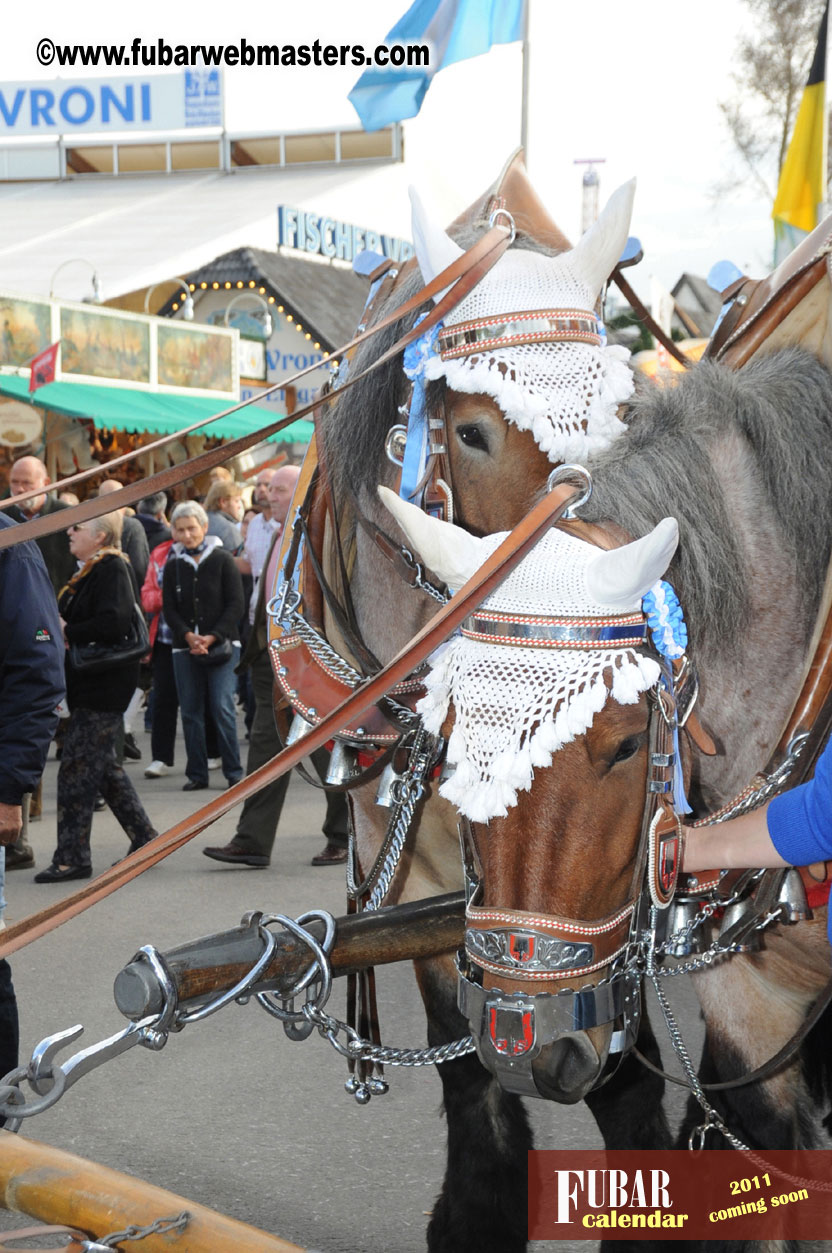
x: 733, y: 456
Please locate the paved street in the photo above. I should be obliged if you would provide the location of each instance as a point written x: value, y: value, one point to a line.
x: 231, y: 1113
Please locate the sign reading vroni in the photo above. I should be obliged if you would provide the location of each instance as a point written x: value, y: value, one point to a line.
x: 311, y: 232
x: 67, y: 106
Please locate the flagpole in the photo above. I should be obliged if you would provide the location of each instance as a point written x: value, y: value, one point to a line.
x: 824, y: 204
x: 524, y: 105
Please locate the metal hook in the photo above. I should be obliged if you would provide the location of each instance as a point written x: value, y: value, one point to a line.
x: 566, y: 473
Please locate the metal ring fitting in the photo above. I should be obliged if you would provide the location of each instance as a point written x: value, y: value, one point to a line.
x: 566, y: 473
x: 504, y: 213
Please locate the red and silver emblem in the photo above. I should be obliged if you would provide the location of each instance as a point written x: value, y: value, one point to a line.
x: 521, y: 946
x: 668, y: 862
x: 511, y: 1029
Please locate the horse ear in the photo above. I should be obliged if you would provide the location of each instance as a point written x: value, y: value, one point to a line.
x: 596, y: 254
x: 621, y: 577
x: 435, y: 250
x: 446, y: 549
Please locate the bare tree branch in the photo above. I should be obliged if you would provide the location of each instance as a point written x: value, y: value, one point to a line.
x: 772, y: 62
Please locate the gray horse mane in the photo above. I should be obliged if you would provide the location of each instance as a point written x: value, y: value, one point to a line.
x: 355, y: 426
x: 780, y: 408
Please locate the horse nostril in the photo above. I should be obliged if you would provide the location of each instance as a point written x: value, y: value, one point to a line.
x: 567, y: 1069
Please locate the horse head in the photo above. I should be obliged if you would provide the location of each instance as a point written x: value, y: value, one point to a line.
x: 543, y: 698
x: 527, y: 378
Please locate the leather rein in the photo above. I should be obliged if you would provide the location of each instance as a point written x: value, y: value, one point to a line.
x: 513, y: 549
x: 460, y: 277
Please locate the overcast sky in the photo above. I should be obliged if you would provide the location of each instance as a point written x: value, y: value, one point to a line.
x: 638, y: 85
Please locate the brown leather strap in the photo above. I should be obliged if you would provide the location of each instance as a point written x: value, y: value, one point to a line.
x: 463, y: 274
x: 512, y: 550
x: 74, y: 1245
x: 643, y: 314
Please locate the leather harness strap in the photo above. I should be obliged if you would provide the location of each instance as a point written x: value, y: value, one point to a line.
x: 512, y: 550
x: 768, y: 1068
x: 464, y: 274
x: 643, y: 314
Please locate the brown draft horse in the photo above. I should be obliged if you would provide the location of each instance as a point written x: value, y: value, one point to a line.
x: 718, y: 454
x: 748, y: 489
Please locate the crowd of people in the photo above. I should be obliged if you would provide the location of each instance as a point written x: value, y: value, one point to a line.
x: 194, y: 577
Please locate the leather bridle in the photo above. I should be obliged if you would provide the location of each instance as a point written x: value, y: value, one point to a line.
x: 529, y: 980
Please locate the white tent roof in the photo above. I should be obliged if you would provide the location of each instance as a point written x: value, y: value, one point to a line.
x: 140, y: 230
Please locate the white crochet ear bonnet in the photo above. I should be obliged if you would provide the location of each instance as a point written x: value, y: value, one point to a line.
x: 565, y: 386
x: 516, y: 702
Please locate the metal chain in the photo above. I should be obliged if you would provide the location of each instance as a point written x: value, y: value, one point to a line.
x: 424, y: 584
x: 408, y: 791
x: 712, y: 1118
x: 357, y: 1048
x: 160, y: 1227
x: 702, y: 962
x: 706, y: 910
x: 321, y: 648
x: 317, y: 983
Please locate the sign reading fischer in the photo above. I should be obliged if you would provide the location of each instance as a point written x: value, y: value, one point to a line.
x: 66, y: 106
x: 310, y: 232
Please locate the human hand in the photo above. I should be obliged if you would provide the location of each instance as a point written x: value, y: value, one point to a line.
x: 11, y: 822
x: 197, y: 644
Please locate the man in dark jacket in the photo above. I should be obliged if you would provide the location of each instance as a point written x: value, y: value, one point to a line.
x: 31, y: 687
x: 29, y: 473
x: 151, y: 514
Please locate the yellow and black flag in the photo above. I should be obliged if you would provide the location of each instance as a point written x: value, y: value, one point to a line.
x: 801, y: 191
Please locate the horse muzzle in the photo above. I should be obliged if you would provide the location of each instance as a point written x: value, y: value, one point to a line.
x: 540, y: 1044
x: 550, y: 1005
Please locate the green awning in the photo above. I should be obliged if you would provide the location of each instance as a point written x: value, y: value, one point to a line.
x: 128, y: 409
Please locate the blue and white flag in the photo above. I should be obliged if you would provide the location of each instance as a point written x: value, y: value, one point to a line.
x: 456, y: 30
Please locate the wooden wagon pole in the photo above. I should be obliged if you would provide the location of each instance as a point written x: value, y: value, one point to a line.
x: 211, y: 965
x: 58, y: 1187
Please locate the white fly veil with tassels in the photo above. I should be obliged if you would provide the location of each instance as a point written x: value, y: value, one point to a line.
x: 566, y: 385
x: 516, y: 702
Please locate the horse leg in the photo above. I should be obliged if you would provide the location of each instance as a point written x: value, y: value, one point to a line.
x: 628, y: 1108
x: 629, y: 1112
x: 482, y: 1207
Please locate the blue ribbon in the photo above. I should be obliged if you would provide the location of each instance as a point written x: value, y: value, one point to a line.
x: 416, y: 356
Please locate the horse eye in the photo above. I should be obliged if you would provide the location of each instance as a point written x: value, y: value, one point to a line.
x: 627, y: 748
x: 473, y: 437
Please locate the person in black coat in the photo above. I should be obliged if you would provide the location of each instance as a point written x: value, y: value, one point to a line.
x: 31, y: 688
x: 202, y: 603
x: 150, y: 512
x: 96, y: 606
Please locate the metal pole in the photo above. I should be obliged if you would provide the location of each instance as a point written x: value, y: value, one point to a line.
x: 524, y: 105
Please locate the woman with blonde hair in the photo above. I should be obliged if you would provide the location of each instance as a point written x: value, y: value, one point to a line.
x: 96, y: 606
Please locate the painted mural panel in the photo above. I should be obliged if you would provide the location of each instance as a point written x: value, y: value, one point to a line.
x: 25, y: 330
x: 193, y: 358
x: 104, y: 347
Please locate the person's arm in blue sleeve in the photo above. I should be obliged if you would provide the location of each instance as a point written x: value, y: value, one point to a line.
x: 794, y: 829
x: 31, y: 673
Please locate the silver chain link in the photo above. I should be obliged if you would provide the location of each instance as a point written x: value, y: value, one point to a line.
x: 357, y: 1048
x: 712, y: 1118
x: 299, y: 1023
x: 161, y: 1227
x: 320, y: 647
x: 409, y: 790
